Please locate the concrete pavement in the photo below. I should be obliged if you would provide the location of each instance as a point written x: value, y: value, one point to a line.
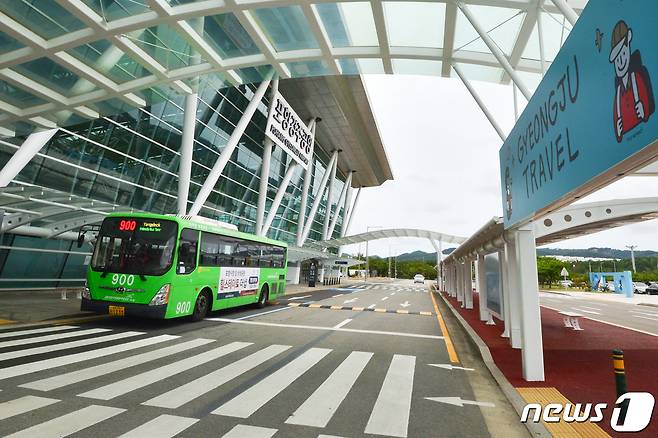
x: 281, y: 371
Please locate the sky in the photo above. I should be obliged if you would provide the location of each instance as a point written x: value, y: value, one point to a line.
x: 444, y: 156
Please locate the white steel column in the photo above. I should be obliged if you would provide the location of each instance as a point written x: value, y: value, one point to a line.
x: 532, y: 352
x: 441, y: 273
x: 186, y: 151
x: 224, y: 157
x: 514, y: 312
x: 318, y: 198
x: 278, y: 197
x: 505, y: 295
x: 493, y: 47
x: 459, y: 286
x: 480, y: 103
x: 566, y: 10
x: 482, y: 288
x: 330, y: 194
x: 468, y: 285
x: 341, y: 198
x: 308, y: 175
x: 352, y: 209
x: 24, y: 154
x: 268, y: 145
x: 540, y: 36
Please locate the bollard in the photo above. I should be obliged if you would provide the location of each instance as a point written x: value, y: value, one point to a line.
x: 620, y: 381
x: 63, y: 294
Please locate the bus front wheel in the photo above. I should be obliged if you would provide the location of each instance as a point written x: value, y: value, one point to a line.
x: 264, y: 296
x: 201, y: 307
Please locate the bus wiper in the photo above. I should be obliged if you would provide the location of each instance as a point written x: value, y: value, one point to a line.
x: 142, y: 277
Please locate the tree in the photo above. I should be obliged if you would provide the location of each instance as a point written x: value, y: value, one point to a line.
x: 548, y: 269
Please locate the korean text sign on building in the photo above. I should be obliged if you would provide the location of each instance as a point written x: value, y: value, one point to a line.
x: 287, y: 130
x: 592, y: 118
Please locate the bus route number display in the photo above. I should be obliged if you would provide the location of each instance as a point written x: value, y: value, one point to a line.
x: 238, y: 282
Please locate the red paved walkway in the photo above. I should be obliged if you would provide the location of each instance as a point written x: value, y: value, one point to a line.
x: 578, y: 363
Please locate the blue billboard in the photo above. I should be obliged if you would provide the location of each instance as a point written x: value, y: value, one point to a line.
x: 593, y: 110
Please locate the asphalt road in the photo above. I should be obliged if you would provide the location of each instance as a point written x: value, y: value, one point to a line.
x: 282, y: 371
x: 633, y: 316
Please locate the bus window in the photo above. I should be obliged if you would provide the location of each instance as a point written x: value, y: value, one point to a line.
x: 187, y: 249
x: 210, y: 245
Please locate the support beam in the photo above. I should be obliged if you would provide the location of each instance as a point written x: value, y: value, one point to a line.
x: 268, y: 145
x: 221, y: 162
x: 505, y: 295
x: 186, y: 152
x: 278, y: 197
x: 514, y: 302
x: 480, y: 103
x: 532, y: 353
x: 318, y: 198
x: 482, y: 288
x: 567, y: 11
x: 308, y: 175
x: 349, y: 221
x: 330, y: 195
x: 341, y: 197
x: 540, y: 36
x: 468, y: 285
x: 495, y: 50
x: 30, y: 147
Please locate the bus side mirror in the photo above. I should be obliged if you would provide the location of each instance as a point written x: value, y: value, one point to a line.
x: 81, y: 240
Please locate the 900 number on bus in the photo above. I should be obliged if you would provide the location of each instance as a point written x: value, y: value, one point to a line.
x: 123, y: 279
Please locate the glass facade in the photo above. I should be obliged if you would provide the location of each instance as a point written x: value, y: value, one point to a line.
x: 131, y: 159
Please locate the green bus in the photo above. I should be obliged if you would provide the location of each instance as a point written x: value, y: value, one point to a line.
x: 166, y: 266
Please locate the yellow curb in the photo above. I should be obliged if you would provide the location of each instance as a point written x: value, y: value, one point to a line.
x: 452, y: 353
x: 426, y: 313
x: 380, y: 310
x: 315, y: 306
x: 357, y: 309
x: 402, y: 311
x: 6, y: 321
x: 293, y: 304
x: 336, y: 307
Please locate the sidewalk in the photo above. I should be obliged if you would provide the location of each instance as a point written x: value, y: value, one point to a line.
x: 577, y: 363
x: 639, y: 299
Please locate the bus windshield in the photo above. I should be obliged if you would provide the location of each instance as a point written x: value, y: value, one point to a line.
x: 139, y: 246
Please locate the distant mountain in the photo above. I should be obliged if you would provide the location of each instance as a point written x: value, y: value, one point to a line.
x: 421, y: 255
x: 610, y: 253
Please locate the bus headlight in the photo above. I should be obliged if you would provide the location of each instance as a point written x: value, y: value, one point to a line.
x: 85, y: 292
x: 162, y: 297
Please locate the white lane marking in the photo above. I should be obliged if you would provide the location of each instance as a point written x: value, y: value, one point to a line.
x: 313, y: 327
x: 243, y: 431
x: 646, y: 317
x: 329, y: 436
x: 390, y: 416
x: 55, y: 337
x: 265, y: 313
x: 341, y: 324
x: 146, y: 378
x: 350, y: 300
x: 70, y: 423
x: 103, y: 369
x: 249, y: 401
x: 585, y: 311
x: 23, y: 405
x: 644, y: 313
x: 32, y: 367
x: 372, y: 306
x: 164, y: 426
x: 385, y: 298
x: 392, y: 293
x: 298, y: 298
x: 405, y: 304
x: 36, y: 331
x: 458, y: 401
x: 608, y: 322
x: 186, y: 393
x: 447, y: 366
x: 64, y: 346
x: 318, y: 409
x: 337, y: 295
x: 590, y: 308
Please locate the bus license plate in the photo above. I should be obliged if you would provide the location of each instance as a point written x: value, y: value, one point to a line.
x: 117, y: 311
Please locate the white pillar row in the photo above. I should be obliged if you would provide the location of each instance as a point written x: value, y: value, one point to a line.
x: 232, y: 143
x: 308, y: 175
x: 566, y: 10
x: 318, y: 198
x: 293, y: 272
x: 329, y: 203
x: 460, y: 283
x: 482, y: 287
x: 186, y: 152
x: 514, y: 294
x: 24, y: 154
x: 341, y: 198
x: 278, y: 197
x: 495, y: 50
x: 468, y: 285
x: 268, y: 145
x: 440, y: 265
x: 532, y: 352
x: 505, y: 297
x: 540, y: 36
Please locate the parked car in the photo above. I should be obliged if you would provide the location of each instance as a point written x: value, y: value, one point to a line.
x: 639, y: 287
x: 611, y: 286
x: 652, y: 289
x: 419, y: 278
x: 566, y: 283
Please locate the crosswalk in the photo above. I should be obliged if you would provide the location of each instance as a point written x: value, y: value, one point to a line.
x: 201, y: 366
x: 389, y: 287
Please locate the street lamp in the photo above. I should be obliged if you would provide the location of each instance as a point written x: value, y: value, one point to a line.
x: 365, y: 278
x: 632, y: 248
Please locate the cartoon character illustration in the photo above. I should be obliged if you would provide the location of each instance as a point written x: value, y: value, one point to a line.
x: 508, y: 193
x: 634, y: 101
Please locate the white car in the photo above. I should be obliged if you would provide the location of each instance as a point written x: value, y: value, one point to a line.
x: 639, y: 288
x: 566, y: 283
x: 419, y: 278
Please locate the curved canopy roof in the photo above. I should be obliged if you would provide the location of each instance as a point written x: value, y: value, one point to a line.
x: 64, y: 60
x: 389, y: 233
